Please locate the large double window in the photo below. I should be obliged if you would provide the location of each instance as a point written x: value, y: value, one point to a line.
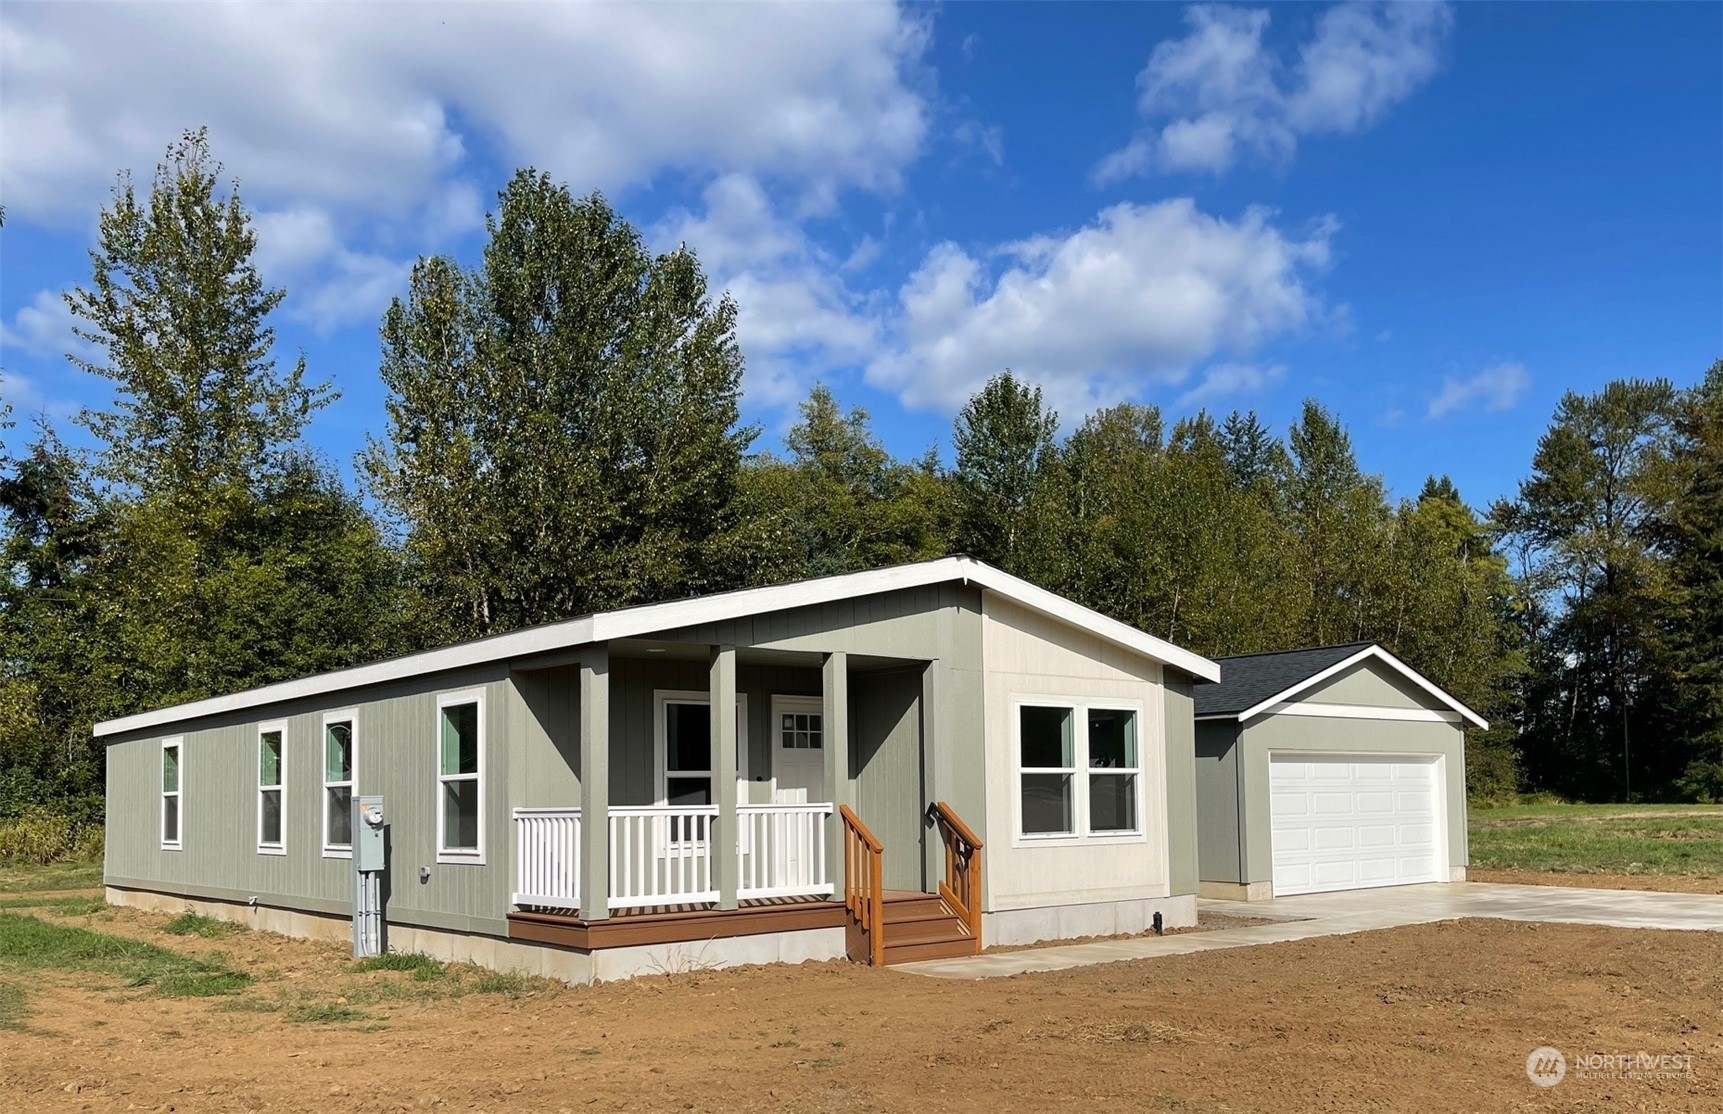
x: 271, y: 789
x: 1079, y: 770
x: 460, y: 777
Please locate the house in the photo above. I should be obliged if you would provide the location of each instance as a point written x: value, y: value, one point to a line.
x: 1331, y: 768
x: 904, y: 763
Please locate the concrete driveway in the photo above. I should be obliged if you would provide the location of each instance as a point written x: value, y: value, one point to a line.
x: 1335, y: 914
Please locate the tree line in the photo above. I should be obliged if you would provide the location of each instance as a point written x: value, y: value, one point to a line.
x: 563, y: 436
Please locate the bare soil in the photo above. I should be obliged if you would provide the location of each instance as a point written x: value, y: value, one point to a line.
x: 1662, y: 883
x: 1431, y: 1018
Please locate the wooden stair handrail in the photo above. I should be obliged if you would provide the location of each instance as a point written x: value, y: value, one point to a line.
x: 961, y: 886
x: 864, y: 883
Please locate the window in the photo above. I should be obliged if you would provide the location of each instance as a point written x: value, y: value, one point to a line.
x: 1046, y: 758
x: 171, y: 775
x: 271, y: 819
x: 1080, y: 771
x: 800, y: 731
x: 1112, y: 770
x: 686, y: 749
x: 460, y: 770
x: 339, y: 766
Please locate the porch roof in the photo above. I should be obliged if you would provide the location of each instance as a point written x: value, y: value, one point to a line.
x: 635, y: 622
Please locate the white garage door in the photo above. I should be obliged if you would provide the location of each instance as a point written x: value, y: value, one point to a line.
x: 1346, y: 823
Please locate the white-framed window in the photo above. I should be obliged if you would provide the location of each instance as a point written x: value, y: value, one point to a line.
x: 272, y: 789
x: 340, y: 775
x: 683, y: 746
x: 1079, y: 769
x: 460, y: 777
x: 173, y: 781
x: 1047, y: 769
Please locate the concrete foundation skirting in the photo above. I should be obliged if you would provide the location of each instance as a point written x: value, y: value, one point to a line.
x: 1456, y: 874
x: 1233, y: 891
x: 1100, y: 918
x: 570, y: 965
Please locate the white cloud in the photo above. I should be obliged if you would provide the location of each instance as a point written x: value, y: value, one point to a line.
x: 373, y: 105
x: 1139, y: 296
x: 328, y: 283
x: 43, y: 327
x: 1219, y: 94
x: 1222, y: 380
x: 1496, y: 388
x: 796, y: 320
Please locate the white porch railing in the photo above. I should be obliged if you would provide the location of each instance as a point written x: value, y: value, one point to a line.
x: 782, y: 850
x: 547, y: 860
x: 664, y: 855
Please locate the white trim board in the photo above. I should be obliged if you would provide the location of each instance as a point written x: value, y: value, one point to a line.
x: 1361, y: 711
x: 1281, y: 701
x: 655, y: 618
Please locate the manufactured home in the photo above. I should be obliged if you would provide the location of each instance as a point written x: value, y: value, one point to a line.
x: 905, y: 763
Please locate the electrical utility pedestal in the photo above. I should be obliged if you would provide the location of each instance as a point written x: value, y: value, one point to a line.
x: 369, y: 861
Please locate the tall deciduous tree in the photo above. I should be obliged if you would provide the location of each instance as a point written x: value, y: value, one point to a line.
x: 1002, y: 440
x: 563, y: 427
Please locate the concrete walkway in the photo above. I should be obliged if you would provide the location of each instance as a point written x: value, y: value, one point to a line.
x: 1311, y: 915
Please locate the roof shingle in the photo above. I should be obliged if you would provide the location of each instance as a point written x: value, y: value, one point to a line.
x: 1248, y: 679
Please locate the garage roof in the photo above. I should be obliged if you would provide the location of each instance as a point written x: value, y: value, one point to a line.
x: 1251, y: 684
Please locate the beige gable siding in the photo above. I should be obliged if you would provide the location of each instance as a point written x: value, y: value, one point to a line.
x: 1028, y: 657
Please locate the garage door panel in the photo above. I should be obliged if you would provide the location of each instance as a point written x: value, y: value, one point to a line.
x: 1347, y: 822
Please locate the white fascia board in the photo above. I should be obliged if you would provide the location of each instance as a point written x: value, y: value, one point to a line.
x: 656, y: 618
x: 1076, y: 615
x: 552, y: 636
x: 1366, y: 654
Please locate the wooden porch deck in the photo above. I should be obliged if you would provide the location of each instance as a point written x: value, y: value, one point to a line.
x: 672, y: 924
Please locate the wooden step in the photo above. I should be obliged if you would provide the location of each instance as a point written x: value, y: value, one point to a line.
x: 951, y: 946
x: 897, y: 912
x: 916, y: 932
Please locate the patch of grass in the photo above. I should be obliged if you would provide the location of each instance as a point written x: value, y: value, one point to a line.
x: 12, y: 1007
x: 326, y: 1013
x: 28, y: 944
x: 22, y: 878
x: 495, y: 982
x: 249, y: 1005
x: 422, y: 966
x: 195, y: 924
x: 71, y: 906
x: 1599, y: 839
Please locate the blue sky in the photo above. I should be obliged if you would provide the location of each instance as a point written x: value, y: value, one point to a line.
x: 1433, y: 219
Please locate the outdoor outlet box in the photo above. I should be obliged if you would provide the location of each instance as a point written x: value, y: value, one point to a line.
x: 368, y: 826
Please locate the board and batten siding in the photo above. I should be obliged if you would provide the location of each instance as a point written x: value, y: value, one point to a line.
x: 396, y: 751
x: 1217, y: 798
x: 1028, y: 657
x: 1372, y: 684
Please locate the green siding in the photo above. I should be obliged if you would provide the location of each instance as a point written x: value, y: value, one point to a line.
x: 1181, y: 788
x: 885, y: 762
x: 1218, y: 858
x: 1373, y: 685
x: 396, y: 756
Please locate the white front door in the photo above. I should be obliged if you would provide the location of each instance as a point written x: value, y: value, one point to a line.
x: 798, y: 749
x: 1344, y: 823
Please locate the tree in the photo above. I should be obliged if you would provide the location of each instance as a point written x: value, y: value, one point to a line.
x: 1339, y: 519
x: 1002, y: 440
x: 200, y: 411
x: 1599, y: 482
x: 563, y: 428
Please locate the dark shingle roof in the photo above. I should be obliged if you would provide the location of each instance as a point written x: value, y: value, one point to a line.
x: 1249, y: 679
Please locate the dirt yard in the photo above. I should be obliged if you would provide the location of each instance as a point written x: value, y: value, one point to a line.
x: 1662, y: 883
x: 1430, y: 1019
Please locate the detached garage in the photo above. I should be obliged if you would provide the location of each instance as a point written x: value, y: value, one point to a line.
x: 1331, y: 768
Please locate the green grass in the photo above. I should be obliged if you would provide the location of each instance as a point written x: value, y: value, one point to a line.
x: 1599, y: 839
x: 31, y: 945
x: 12, y: 1009
x: 70, y: 906
x: 193, y: 924
x: 19, y: 878
x: 325, y: 1013
x: 422, y: 966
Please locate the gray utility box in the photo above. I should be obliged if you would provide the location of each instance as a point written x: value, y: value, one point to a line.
x: 370, y: 860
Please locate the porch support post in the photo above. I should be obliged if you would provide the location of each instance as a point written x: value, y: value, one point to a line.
x: 835, y: 726
x: 595, y: 783
x: 727, y: 840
